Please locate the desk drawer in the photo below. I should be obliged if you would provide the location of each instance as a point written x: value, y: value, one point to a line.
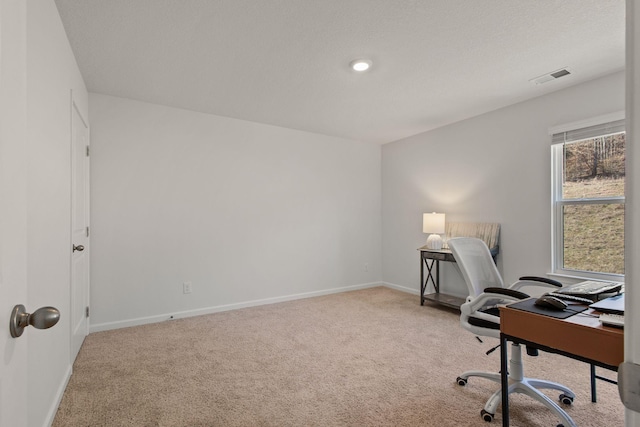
x: 438, y: 256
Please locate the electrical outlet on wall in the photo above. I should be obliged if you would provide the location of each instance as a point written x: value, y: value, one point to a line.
x: 186, y: 288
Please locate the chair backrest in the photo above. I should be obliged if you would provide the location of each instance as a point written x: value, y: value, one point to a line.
x: 476, y: 264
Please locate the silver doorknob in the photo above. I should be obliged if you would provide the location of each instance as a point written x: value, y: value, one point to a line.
x: 78, y: 248
x: 42, y: 318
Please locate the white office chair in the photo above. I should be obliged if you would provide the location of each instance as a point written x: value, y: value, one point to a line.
x: 480, y: 315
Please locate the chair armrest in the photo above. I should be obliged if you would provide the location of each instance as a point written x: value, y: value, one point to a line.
x: 507, y: 291
x: 535, y: 281
x: 542, y: 279
x: 492, y: 296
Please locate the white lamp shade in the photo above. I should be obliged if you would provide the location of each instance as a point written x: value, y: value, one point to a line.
x: 433, y: 223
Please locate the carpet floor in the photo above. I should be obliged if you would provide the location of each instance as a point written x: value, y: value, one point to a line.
x: 371, y: 357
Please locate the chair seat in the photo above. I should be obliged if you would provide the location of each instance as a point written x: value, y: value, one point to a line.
x: 484, y: 323
x: 488, y: 324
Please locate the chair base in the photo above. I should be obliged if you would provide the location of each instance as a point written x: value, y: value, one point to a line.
x: 520, y: 384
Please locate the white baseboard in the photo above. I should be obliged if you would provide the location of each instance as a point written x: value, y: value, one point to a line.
x: 48, y: 422
x: 98, y: 327
x: 401, y: 288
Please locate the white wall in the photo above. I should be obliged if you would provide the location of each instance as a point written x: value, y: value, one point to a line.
x: 248, y: 213
x: 51, y: 75
x: 490, y: 168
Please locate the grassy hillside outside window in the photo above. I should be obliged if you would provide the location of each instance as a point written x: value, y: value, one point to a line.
x: 588, y: 205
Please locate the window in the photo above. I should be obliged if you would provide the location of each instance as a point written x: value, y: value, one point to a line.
x: 588, y: 201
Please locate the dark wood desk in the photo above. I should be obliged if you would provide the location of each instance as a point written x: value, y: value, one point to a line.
x: 579, y: 337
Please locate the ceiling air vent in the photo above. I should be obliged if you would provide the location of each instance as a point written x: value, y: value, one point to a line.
x: 551, y: 76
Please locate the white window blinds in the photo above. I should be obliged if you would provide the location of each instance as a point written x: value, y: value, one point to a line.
x: 608, y: 128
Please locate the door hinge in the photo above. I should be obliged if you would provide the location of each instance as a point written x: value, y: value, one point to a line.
x: 87, y: 311
x: 87, y: 231
x: 87, y: 151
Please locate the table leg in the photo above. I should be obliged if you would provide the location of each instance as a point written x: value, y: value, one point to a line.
x: 593, y: 383
x: 422, y: 284
x: 504, y: 380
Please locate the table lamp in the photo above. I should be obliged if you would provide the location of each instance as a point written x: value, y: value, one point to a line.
x: 433, y: 224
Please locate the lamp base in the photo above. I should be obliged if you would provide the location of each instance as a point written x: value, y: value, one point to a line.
x: 434, y: 241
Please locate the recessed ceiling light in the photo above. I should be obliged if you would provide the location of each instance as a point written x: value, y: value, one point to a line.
x: 360, y: 65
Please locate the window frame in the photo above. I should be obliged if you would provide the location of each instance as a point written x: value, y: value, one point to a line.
x: 558, y: 203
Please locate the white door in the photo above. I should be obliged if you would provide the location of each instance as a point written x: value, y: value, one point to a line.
x: 13, y: 217
x: 79, y: 231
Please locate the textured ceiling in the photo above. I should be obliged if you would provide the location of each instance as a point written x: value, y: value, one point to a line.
x: 285, y: 62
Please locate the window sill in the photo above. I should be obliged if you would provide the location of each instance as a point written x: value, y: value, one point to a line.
x: 570, y: 279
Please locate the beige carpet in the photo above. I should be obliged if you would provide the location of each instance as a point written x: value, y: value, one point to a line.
x: 373, y: 357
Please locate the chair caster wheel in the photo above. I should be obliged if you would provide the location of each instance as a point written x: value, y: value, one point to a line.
x: 560, y: 425
x: 567, y: 400
x: 488, y: 417
x: 461, y: 381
